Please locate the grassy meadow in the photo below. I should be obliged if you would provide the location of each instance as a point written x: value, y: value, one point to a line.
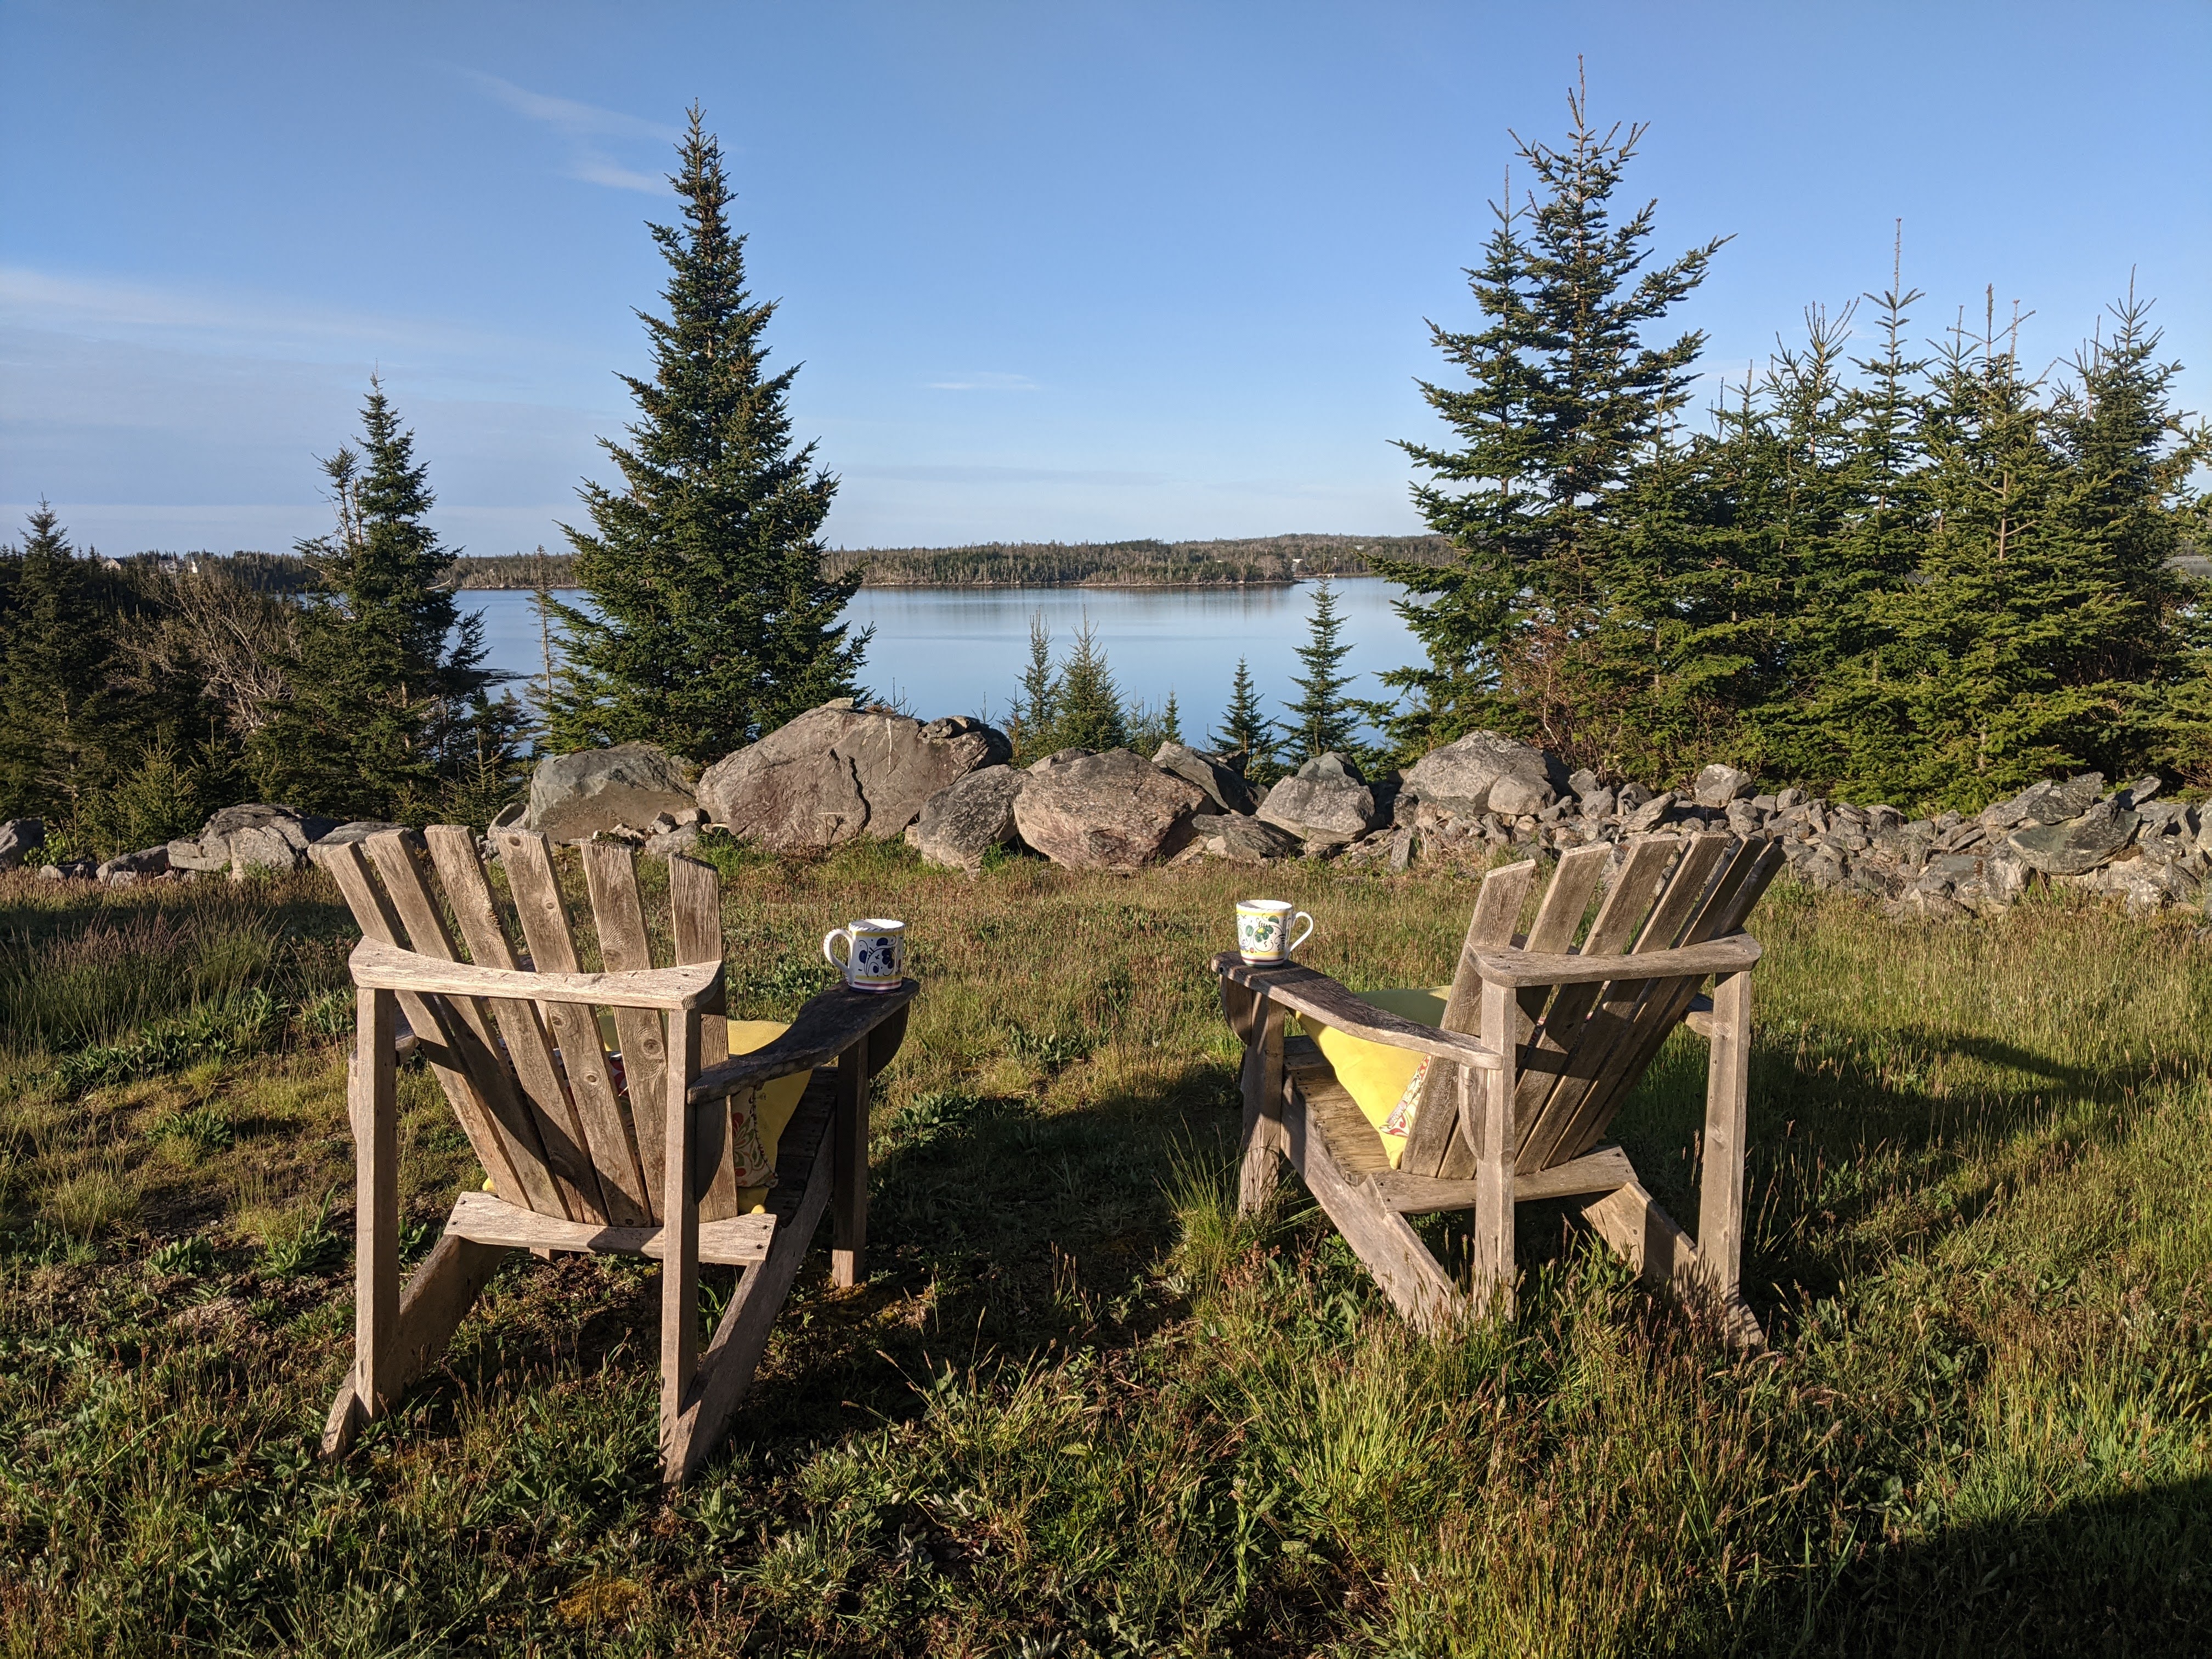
x: 1079, y: 1408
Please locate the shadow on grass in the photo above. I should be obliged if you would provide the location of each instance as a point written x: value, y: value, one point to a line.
x: 2116, y: 1576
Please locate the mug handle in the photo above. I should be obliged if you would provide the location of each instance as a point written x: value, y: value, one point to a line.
x: 831, y: 937
x: 1299, y: 915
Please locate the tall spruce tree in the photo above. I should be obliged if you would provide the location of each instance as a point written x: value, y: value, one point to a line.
x: 385, y: 697
x: 711, y: 621
x: 1565, y: 399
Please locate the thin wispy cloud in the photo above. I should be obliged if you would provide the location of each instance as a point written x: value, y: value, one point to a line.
x: 986, y: 382
x: 70, y: 303
x: 583, y: 125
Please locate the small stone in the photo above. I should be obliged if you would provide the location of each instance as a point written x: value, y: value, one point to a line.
x: 1631, y: 796
x: 1786, y: 799
x: 1598, y: 803
x: 1648, y: 815
x: 1583, y: 784
x: 1718, y: 785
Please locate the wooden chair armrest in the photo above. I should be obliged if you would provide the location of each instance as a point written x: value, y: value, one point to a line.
x: 1731, y: 955
x: 691, y: 987
x: 1322, y: 1000
x: 828, y: 1025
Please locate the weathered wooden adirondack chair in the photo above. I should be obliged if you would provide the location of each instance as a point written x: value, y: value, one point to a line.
x: 1538, y: 1046
x: 639, y: 1159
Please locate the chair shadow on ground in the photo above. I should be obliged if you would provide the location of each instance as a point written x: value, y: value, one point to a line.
x: 1829, y: 1149
x: 997, y: 1234
x: 2121, y: 1575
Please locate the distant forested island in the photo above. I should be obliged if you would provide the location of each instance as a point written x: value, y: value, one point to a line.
x: 1142, y: 563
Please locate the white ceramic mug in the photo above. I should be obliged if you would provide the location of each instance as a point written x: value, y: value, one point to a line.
x: 875, y: 953
x: 1263, y: 931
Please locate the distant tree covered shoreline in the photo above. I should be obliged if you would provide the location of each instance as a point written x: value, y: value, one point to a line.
x: 1142, y: 563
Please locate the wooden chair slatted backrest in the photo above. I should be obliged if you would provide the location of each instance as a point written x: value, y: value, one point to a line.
x: 531, y: 1083
x: 1583, y: 1047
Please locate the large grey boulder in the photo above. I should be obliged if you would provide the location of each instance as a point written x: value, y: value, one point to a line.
x: 126, y: 868
x: 1721, y: 786
x: 1110, y: 812
x: 840, y: 772
x: 1223, y: 786
x: 962, y: 822
x: 2078, y: 845
x: 1483, y: 773
x: 254, y: 835
x: 1327, y: 802
x: 1244, y: 840
x: 575, y: 797
x: 20, y: 837
x: 2048, y: 802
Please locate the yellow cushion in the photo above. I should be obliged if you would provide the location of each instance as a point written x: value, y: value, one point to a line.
x: 773, y: 1105
x: 1385, y: 1082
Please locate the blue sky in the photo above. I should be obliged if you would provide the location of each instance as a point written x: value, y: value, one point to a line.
x: 1055, y: 270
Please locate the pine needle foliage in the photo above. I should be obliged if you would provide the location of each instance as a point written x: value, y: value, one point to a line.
x: 385, y: 701
x: 1563, y: 397
x: 1246, y: 737
x: 55, y: 710
x: 710, y: 620
x: 1928, y: 576
x: 1324, y: 718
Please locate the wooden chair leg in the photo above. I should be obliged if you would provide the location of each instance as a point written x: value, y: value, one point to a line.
x: 1485, y: 1116
x: 1383, y: 1240
x: 679, y: 1266
x: 725, y: 1371
x: 849, y: 1150
x: 1728, y: 1093
x: 1264, y: 1142
x: 372, y: 1105
x: 438, y: 1298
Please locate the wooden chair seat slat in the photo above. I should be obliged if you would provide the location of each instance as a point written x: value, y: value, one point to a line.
x: 1334, y: 1115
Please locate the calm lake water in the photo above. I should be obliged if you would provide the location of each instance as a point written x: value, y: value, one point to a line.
x: 962, y: 651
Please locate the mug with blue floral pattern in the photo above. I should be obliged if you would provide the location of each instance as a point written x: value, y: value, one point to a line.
x: 875, y: 953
